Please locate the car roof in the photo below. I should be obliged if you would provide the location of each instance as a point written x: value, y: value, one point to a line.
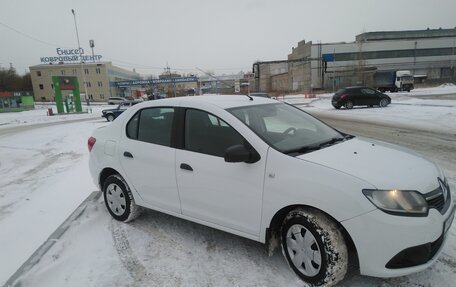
x: 222, y: 101
x: 358, y: 87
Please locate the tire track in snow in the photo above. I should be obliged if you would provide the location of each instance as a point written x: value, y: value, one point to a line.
x: 128, y: 258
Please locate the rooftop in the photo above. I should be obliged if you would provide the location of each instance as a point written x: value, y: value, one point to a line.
x: 406, y: 34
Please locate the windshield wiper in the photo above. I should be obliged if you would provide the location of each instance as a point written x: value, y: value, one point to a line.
x: 306, y: 149
x: 331, y: 141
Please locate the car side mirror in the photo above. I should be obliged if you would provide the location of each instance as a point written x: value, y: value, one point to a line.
x: 239, y: 153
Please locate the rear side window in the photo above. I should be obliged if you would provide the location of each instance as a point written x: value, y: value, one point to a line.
x: 132, y: 127
x: 152, y: 125
x: 340, y: 92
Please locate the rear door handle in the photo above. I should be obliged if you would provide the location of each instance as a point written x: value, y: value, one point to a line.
x: 186, y: 167
x: 128, y: 154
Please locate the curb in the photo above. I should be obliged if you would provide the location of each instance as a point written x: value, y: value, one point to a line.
x: 56, y: 235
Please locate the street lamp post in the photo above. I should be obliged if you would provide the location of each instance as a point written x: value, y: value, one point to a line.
x: 80, y: 57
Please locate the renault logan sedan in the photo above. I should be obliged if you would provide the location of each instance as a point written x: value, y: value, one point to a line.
x: 270, y: 172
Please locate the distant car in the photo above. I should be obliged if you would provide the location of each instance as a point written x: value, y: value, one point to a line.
x: 112, y: 114
x: 116, y: 100
x: 359, y: 96
x: 260, y: 94
x: 268, y: 171
x: 156, y: 97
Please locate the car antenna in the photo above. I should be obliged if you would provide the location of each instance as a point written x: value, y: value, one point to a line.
x: 250, y: 97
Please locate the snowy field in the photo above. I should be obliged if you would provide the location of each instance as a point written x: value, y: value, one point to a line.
x: 430, y: 109
x: 45, y: 178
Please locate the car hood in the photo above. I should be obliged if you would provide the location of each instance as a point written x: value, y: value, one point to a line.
x: 383, y: 165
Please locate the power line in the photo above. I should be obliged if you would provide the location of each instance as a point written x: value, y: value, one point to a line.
x: 31, y: 37
x: 125, y: 63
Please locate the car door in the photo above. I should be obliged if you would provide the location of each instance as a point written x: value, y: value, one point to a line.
x: 212, y: 190
x: 147, y: 157
x: 369, y: 97
x: 354, y: 95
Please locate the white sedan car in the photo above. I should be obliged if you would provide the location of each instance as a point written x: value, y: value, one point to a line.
x: 270, y: 172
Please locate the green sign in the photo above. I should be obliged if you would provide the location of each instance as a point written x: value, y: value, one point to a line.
x: 71, y: 96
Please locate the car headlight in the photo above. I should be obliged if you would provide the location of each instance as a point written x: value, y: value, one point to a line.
x: 398, y: 202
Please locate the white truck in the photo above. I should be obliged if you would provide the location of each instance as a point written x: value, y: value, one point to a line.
x: 393, y: 81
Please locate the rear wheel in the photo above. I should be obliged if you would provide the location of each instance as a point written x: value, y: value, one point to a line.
x: 314, y: 247
x: 336, y: 107
x: 349, y: 105
x: 119, y: 200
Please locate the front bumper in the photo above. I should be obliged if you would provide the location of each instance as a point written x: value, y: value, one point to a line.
x: 382, y: 239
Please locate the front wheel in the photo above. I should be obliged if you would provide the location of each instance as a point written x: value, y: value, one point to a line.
x: 314, y: 247
x: 383, y: 103
x: 110, y: 118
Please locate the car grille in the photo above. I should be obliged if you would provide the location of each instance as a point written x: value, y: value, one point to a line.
x: 436, y: 198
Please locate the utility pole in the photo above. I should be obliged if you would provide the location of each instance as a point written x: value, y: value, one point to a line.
x: 80, y: 57
x: 92, y: 44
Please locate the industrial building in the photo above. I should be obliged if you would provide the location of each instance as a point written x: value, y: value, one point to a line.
x: 100, y: 78
x: 429, y: 55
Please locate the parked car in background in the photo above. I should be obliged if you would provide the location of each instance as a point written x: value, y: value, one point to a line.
x: 359, y: 96
x: 116, y: 100
x: 112, y: 114
x: 270, y: 172
x: 260, y: 94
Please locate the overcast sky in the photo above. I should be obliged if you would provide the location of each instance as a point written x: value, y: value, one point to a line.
x: 223, y: 36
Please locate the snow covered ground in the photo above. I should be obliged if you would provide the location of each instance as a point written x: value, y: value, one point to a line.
x: 45, y: 177
x: 430, y: 109
x: 39, y: 115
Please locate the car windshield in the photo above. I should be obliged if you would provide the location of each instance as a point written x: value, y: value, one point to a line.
x: 286, y: 128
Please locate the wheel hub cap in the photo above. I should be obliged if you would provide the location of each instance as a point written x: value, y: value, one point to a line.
x: 303, y: 250
x: 116, y: 199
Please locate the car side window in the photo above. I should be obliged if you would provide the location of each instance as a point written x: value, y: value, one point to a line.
x: 368, y: 92
x: 152, y: 125
x: 208, y: 134
x: 132, y: 127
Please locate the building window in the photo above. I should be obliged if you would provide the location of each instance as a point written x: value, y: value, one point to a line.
x: 100, y: 84
x: 102, y: 96
x: 41, y: 87
x: 52, y: 86
x: 88, y: 85
x: 86, y: 71
x: 62, y: 72
x: 74, y: 71
x: 38, y: 73
x: 43, y: 98
x: 98, y: 70
x: 90, y: 97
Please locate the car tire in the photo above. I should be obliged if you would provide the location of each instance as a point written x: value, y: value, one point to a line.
x: 383, y: 103
x: 307, y: 231
x: 337, y: 107
x: 110, y: 118
x: 119, y: 200
x: 349, y: 105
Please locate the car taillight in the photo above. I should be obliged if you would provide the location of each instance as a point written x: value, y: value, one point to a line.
x: 91, y: 143
x: 343, y: 96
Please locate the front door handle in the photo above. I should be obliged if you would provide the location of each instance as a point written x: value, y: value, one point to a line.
x: 186, y: 167
x: 128, y: 154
